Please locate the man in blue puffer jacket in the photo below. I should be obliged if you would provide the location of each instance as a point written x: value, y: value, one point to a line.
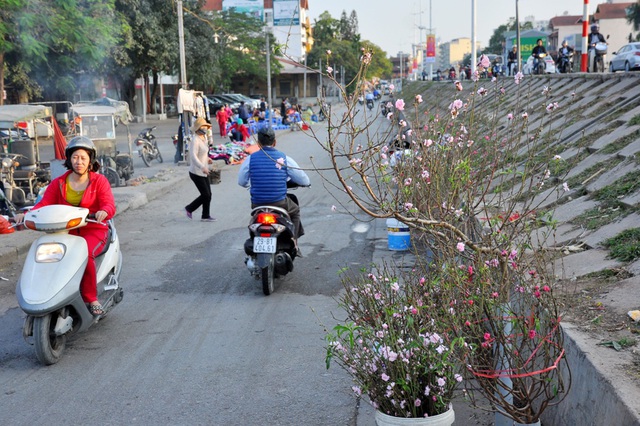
x: 267, y: 171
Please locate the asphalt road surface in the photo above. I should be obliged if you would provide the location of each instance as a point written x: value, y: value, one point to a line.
x: 195, y: 341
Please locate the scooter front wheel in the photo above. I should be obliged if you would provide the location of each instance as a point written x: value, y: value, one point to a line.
x: 159, y: 156
x: 146, y: 156
x: 49, y: 346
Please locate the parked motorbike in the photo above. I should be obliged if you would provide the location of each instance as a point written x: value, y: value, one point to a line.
x: 48, y: 290
x: 270, y: 248
x: 148, y: 146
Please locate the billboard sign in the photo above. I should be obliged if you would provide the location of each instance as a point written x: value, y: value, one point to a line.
x: 527, y: 44
x: 253, y: 8
x: 286, y: 13
x: 431, y: 48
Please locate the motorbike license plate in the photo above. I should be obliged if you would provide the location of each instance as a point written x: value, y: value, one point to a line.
x: 264, y: 245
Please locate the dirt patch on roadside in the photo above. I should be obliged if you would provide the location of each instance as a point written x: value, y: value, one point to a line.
x: 586, y: 305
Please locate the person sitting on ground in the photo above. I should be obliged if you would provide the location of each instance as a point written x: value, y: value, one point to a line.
x: 238, y: 131
x: 267, y: 172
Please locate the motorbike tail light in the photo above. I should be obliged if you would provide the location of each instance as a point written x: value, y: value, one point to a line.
x: 74, y: 222
x: 139, y: 142
x: 30, y: 224
x: 266, y: 218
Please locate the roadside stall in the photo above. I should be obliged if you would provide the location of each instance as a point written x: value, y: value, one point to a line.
x: 98, y: 121
x: 21, y: 171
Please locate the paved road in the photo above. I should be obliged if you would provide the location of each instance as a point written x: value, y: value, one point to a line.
x: 195, y: 341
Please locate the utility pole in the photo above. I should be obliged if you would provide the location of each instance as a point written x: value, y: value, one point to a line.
x: 518, y: 38
x: 474, y: 53
x: 183, y: 62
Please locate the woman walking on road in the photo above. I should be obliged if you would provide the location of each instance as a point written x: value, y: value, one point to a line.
x: 199, y: 170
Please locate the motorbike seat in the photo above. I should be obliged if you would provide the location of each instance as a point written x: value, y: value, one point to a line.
x: 110, y: 238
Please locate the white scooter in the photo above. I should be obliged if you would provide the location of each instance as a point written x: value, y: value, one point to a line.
x: 48, y: 290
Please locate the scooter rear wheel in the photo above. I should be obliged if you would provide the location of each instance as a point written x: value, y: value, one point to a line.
x: 49, y: 347
x: 267, y: 278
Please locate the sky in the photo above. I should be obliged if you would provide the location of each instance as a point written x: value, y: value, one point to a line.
x: 393, y: 24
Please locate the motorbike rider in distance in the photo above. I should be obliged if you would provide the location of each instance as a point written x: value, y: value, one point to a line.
x: 512, y: 60
x: 266, y: 172
x: 565, y: 52
x: 593, y: 38
x: 538, y: 53
x: 82, y: 186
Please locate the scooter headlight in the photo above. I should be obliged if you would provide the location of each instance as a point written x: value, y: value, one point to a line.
x: 50, y: 252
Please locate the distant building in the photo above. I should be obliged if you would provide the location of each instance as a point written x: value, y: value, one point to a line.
x: 289, y: 23
x: 453, y: 52
x: 612, y: 18
x: 565, y: 27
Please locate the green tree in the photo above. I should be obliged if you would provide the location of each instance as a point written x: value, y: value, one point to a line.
x: 497, y: 40
x: 633, y: 17
x: 380, y: 65
x: 8, y: 34
x: 49, y: 47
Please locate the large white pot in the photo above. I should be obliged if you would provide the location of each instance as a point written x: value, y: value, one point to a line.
x: 445, y: 419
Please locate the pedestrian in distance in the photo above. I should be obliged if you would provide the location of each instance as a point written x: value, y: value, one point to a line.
x: 221, y: 117
x: 199, y: 170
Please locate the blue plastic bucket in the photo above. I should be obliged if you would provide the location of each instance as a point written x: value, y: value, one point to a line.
x: 398, y: 235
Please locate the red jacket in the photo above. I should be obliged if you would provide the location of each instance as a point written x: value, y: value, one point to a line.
x: 97, y: 196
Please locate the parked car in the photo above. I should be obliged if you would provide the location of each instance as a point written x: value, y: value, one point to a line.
x: 214, y: 104
x: 627, y: 58
x: 548, y: 60
x: 252, y: 103
x: 233, y: 103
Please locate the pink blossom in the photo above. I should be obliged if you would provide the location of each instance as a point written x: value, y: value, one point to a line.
x: 329, y: 70
x: 417, y: 402
x: 395, y: 287
x: 546, y: 288
x: 487, y: 336
x: 328, y: 52
x: 407, y: 182
x: 441, y: 381
x: 532, y: 334
x: 565, y: 186
x: 400, y: 105
x: 457, y: 377
x: 460, y: 247
x: 385, y: 377
x: 334, y: 208
x: 279, y: 163
x: 419, y: 99
x: 408, y: 206
x: 428, y: 143
x: 509, y: 116
x: 391, y: 87
x: 357, y: 390
x: 458, y: 86
x: 518, y: 77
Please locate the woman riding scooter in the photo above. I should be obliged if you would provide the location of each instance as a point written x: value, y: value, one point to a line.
x: 81, y: 186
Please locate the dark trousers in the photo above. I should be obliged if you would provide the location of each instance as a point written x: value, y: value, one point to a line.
x: 204, y: 200
x: 294, y: 213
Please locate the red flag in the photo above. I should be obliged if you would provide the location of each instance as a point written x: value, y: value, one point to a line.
x: 59, y: 141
